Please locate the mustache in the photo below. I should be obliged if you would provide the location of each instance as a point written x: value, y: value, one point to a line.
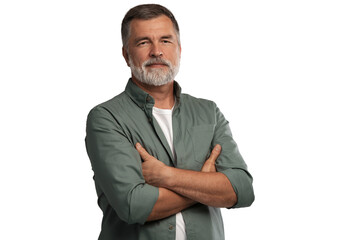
x: 157, y: 61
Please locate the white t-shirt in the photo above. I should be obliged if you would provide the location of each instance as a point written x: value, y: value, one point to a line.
x: 164, y: 119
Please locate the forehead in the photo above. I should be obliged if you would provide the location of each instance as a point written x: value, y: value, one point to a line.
x: 161, y: 25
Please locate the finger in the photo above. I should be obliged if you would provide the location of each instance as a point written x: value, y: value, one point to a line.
x: 142, y: 152
x: 215, y: 153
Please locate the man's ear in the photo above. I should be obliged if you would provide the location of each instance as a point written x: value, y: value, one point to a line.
x: 125, y: 55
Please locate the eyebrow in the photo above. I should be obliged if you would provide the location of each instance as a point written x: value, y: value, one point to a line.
x: 167, y: 37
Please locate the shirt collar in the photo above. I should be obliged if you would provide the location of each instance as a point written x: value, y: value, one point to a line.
x: 142, y: 98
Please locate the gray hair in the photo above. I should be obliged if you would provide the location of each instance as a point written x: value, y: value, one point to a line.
x: 146, y: 12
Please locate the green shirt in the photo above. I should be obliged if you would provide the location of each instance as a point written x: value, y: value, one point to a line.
x: 113, y: 129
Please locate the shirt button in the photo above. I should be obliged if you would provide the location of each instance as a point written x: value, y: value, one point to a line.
x: 171, y: 227
x: 148, y: 99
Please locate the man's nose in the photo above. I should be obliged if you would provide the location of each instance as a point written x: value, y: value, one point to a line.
x: 156, y: 51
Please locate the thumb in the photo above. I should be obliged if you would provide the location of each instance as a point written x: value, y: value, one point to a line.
x: 142, y: 152
x: 215, y: 153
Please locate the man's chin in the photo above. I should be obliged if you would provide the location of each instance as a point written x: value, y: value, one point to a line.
x: 162, y: 71
x: 154, y: 77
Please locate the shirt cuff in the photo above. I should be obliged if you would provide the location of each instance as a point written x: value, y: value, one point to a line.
x: 143, y: 199
x: 242, y: 184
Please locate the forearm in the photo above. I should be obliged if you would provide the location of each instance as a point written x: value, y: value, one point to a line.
x: 209, y: 188
x: 169, y: 203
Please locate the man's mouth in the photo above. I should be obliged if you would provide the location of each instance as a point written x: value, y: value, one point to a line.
x: 156, y: 65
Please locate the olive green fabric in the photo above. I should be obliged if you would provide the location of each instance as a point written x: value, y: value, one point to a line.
x: 114, y: 127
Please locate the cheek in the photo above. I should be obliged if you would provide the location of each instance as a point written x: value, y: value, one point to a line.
x: 174, y: 55
x: 175, y: 59
x: 138, y: 59
x: 135, y: 61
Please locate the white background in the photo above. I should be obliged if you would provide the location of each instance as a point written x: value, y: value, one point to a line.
x: 269, y: 65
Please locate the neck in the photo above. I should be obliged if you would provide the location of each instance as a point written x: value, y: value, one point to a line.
x: 163, y: 95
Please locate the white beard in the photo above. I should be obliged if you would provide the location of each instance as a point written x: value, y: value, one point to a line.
x: 155, y: 76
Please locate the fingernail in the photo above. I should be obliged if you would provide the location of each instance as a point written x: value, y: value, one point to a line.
x: 137, y: 145
x: 217, y: 147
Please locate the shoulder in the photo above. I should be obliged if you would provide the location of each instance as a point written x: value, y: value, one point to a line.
x: 112, y: 105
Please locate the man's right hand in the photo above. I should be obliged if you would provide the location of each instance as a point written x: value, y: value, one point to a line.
x: 209, y: 165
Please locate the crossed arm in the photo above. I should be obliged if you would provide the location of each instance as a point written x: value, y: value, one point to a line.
x: 112, y: 157
x: 179, y: 189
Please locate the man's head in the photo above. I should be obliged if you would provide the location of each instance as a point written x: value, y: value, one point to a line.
x: 151, y: 45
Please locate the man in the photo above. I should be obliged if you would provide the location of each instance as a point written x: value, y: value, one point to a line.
x: 164, y: 162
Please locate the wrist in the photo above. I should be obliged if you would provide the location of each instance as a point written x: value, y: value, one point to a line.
x: 168, y: 180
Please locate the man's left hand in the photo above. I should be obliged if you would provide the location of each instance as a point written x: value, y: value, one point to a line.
x: 154, y: 171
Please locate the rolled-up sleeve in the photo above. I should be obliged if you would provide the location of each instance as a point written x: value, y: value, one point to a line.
x: 117, y: 168
x: 231, y: 163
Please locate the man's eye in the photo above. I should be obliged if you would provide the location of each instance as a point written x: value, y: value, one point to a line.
x: 142, y: 43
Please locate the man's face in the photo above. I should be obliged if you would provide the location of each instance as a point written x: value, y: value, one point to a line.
x: 153, y: 51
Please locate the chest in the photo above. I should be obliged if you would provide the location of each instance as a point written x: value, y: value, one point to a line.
x: 188, y: 145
